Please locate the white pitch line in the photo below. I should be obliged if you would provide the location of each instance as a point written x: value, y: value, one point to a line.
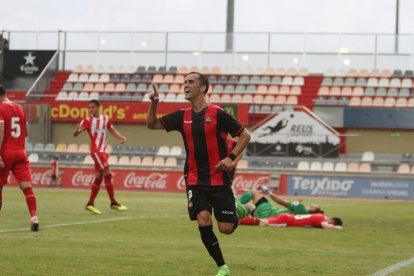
x: 379, y: 273
x: 84, y: 222
x: 394, y: 268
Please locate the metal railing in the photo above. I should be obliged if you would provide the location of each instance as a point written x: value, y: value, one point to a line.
x: 43, y: 81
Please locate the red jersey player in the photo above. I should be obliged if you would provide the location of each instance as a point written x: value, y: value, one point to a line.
x: 13, y: 157
x: 55, y: 172
x: 289, y: 220
x: 97, y: 125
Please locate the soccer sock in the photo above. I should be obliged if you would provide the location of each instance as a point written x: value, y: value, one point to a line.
x: 244, y: 198
x: 211, y: 243
x: 110, y: 188
x: 30, y: 200
x: 250, y: 221
x: 94, y: 190
x: 1, y: 196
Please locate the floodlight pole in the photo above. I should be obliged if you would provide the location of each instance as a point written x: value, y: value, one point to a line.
x: 230, y: 25
x: 397, y: 24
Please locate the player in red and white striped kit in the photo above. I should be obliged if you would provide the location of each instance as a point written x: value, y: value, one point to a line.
x: 97, y: 125
x: 54, y: 178
x: 13, y: 157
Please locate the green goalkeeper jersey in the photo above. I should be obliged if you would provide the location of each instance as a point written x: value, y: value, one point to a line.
x: 266, y: 209
x: 297, y: 208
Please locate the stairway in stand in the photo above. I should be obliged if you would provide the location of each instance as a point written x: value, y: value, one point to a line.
x: 56, y: 85
x: 310, y: 90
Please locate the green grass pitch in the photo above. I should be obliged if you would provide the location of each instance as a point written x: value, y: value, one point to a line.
x: 155, y: 237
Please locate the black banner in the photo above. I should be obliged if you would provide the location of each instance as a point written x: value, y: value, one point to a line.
x: 19, y: 63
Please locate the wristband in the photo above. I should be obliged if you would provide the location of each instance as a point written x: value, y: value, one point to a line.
x: 232, y: 156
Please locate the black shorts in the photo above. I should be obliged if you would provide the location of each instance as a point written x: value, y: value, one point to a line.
x: 259, y: 202
x: 53, y: 177
x: 220, y: 200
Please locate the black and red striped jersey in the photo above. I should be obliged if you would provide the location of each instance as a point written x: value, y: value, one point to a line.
x: 204, y: 135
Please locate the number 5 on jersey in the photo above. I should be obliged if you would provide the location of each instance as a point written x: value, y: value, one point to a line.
x: 15, y: 127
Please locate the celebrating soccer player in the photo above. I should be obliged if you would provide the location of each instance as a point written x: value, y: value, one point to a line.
x: 204, y: 128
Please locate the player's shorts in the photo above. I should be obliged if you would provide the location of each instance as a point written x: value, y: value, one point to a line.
x: 220, y: 201
x: 15, y: 161
x: 53, y: 177
x: 101, y: 160
x: 265, y: 209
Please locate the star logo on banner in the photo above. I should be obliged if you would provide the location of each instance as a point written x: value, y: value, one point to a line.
x: 29, y: 59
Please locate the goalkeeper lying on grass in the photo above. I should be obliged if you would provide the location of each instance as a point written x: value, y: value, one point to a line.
x: 289, y: 220
x: 262, y: 208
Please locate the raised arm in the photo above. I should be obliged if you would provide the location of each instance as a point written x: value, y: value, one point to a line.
x: 279, y: 200
x: 327, y: 225
x: 152, y: 119
x: 117, y: 135
x: 78, y: 129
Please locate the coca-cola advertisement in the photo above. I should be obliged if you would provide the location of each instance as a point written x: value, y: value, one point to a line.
x: 134, y: 180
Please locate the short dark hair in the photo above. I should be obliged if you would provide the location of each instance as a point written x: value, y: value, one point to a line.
x: 317, y: 211
x: 2, y: 91
x: 203, y: 79
x: 337, y: 221
x: 96, y: 102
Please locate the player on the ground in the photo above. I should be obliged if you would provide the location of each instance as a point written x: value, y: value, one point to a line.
x: 13, y: 157
x: 262, y: 208
x: 97, y: 125
x: 289, y: 220
x: 204, y: 128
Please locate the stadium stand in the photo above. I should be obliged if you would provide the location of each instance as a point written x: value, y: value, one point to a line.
x: 113, y: 160
x: 124, y: 160
x: 79, y: 85
x: 39, y: 147
x: 33, y: 157
x: 303, y: 166
x: 352, y: 167
x: 176, y: 151
x: 88, y: 160
x: 328, y: 166
x: 147, y: 161
x: 135, y: 161
x: 269, y: 89
x: 170, y: 162
x: 368, y: 156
